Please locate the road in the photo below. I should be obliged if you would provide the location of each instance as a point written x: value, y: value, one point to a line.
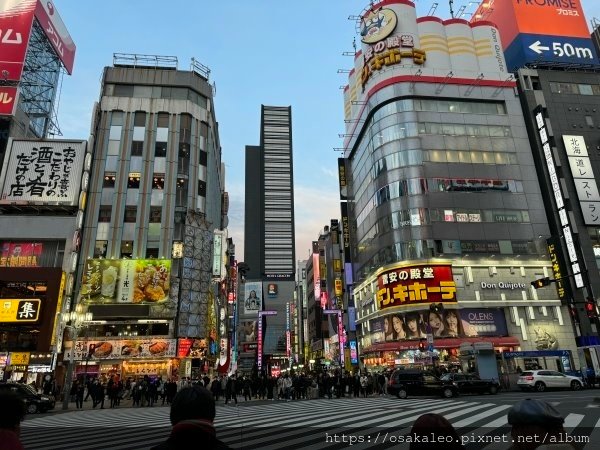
x: 320, y: 423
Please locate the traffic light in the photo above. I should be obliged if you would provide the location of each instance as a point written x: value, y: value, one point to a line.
x: 541, y: 282
x: 590, y: 308
x: 422, y: 345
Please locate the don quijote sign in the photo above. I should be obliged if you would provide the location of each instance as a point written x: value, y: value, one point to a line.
x: 502, y: 285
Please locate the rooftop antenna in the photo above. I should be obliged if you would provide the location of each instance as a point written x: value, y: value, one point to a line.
x: 451, y: 2
x: 432, y: 9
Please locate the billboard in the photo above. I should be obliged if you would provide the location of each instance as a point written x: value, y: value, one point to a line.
x: 8, y: 100
x: 192, y: 348
x: 43, y: 172
x: 151, y: 347
x: 56, y: 31
x: 16, y: 20
x: 446, y: 323
x: 415, y: 284
x: 541, y: 30
x: 252, y: 298
x: 20, y: 310
x: 20, y: 254
x: 126, y: 281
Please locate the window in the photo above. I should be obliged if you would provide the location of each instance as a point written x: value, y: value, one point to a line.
x: 133, y: 181
x: 155, y: 214
x: 589, y: 121
x: 137, y: 148
x: 160, y: 149
x: 585, y: 89
x: 126, y: 249
x: 158, y: 182
x: 123, y: 90
x: 105, y: 214
x: 100, y: 249
x: 139, y: 119
x: 151, y: 253
x: 202, y: 188
x: 130, y: 214
x: 109, y: 180
x: 203, y: 158
x: 181, y: 183
x: 162, y: 120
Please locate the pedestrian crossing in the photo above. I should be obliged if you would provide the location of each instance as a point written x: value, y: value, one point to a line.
x: 315, y: 424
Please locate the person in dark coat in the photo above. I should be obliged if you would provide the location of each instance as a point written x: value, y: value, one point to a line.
x: 12, y: 413
x: 192, y: 415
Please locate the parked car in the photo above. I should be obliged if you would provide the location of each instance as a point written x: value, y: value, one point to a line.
x: 540, y: 380
x: 405, y: 382
x: 471, y: 384
x: 35, y: 402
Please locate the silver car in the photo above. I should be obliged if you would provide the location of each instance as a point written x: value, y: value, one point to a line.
x: 540, y: 380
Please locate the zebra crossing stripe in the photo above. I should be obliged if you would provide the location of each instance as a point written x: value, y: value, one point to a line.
x: 572, y: 420
x: 480, y: 416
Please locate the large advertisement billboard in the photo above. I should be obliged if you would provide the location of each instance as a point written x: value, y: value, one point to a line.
x: 16, y: 20
x: 541, y: 30
x: 20, y: 254
x: 151, y: 347
x: 415, y: 284
x: 252, y: 298
x: 43, y: 172
x: 56, y: 31
x: 126, y: 281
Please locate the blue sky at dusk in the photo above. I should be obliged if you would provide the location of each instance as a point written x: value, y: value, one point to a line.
x: 259, y: 52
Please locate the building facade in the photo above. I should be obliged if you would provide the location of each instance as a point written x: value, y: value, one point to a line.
x: 152, y: 270
x: 41, y: 182
x: 445, y: 214
x: 269, y: 240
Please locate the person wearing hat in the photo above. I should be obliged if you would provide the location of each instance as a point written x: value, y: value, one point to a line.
x: 192, y: 414
x: 537, y: 425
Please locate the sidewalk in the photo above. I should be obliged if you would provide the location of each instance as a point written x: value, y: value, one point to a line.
x: 125, y: 403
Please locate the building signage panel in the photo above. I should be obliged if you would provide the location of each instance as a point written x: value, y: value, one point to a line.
x: 411, y: 285
x: 16, y: 21
x: 20, y: 310
x: 342, y: 179
x: 587, y: 190
x: 20, y: 254
x: 8, y: 100
x: 316, y: 277
x: 558, y: 197
x: 153, y: 347
x: 217, y: 255
x: 346, y: 232
x: 43, y: 172
x: 252, y: 297
x: 19, y: 358
x: 353, y: 352
x: 503, y: 285
x: 57, y: 33
x: 581, y: 167
x: 591, y: 212
x: 555, y: 253
x: 126, y: 281
x: 191, y: 348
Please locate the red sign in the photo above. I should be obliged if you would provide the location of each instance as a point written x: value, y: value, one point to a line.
x: 183, y: 347
x: 543, y: 17
x: 8, y: 100
x: 56, y: 32
x: 20, y: 254
x: 412, y: 285
x: 16, y: 20
x: 275, y: 371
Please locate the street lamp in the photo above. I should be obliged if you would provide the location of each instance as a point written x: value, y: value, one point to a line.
x: 75, y: 321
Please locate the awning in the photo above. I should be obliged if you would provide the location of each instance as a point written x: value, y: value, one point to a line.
x: 503, y: 341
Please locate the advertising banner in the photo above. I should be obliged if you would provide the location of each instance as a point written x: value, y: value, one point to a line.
x: 252, y: 298
x: 8, y: 100
x: 16, y: 20
x: 152, y: 347
x: 126, y: 280
x: 192, y: 348
x: 346, y: 232
x: 20, y: 254
x: 20, y: 310
x: 43, y: 172
x: 342, y: 179
x: 248, y: 331
x: 416, y: 284
x: 446, y: 323
x: 57, y: 33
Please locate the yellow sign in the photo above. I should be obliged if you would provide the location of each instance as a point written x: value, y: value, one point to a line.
x: 338, y: 287
x: 389, y: 58
x: 19, y: 310
x: 61, y: 291
x: 21, y: 358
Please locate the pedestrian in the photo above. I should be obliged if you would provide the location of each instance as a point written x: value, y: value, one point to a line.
x: 79, y: 391
x: 192, y: 416
x: 230, y: 389
x: 431, y: 431
x: 12, y: 413
x: 537, y: 425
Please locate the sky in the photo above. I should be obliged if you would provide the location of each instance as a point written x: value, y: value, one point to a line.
x: 271, y: 52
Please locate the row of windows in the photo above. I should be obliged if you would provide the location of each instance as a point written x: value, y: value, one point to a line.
x: 158, y: 182
x: 177, y: 93
x: 105, y: 214
x: 420, y: 186
x: 409, y: 158
x: 575, y: 88
x: 437, y: 105
x: 423, y: 249
x: 126, y: 250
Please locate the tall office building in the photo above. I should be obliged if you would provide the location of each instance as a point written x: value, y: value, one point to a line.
x: 444, y: 205
x: 269, y: 235
x: 154, y: 210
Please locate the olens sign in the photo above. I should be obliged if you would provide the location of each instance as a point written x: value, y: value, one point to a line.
x: 416, y: 284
